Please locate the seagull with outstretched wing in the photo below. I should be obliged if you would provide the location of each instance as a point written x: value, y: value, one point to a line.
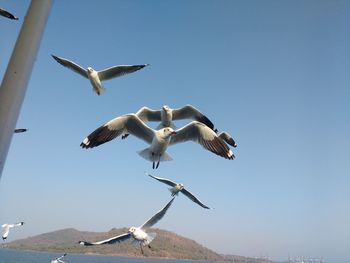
x: 139, y: 234
x: 7, y: 227
x: 59, y: 259
x: 159, y: 140
x: 178, y: 187
x: 96, y: 77
x: 167, y: 115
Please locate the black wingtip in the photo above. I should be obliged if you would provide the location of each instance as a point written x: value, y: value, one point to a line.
x: 56, y: 58
x: 20, y: 130
x: 207, y: 122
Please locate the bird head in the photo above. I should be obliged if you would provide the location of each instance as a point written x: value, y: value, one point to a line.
x: 166, y: 108
x: 132, y: 229
x: 90, y: 69
x: 179, y: 187
x: 168, y: 132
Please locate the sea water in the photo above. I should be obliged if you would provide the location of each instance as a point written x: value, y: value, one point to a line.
x: 16, y: 256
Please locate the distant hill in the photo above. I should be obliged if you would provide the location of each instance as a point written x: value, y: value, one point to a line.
x: 166, y: 245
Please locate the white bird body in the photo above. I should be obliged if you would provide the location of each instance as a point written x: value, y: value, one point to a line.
x: 166, y: 117
x: 139, y: 234
x: 158, y: 140
x: 96, y: 77
x: 95, y: 80
x: 178, y: 187
x: 7, y: 227
x: 156, y: 152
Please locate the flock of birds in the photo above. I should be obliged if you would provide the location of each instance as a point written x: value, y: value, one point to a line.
x: 200, y: 130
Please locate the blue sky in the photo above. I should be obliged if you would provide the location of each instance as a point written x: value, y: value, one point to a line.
x: 274, y: 74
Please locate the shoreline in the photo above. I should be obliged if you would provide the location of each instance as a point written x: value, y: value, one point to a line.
x: 112, y: 255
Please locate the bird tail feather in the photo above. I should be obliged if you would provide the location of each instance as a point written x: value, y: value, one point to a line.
x: 146, y: 154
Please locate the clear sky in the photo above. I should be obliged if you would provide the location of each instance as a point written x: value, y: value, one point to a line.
x: 274, y: 74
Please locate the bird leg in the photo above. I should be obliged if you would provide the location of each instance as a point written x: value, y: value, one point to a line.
x: 158, y: 161
x: 141, y: 248
x: 153, y: 160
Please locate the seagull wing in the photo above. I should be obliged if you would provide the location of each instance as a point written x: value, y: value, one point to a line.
x: 147, y: 114
x: 193, y: 198
x: 227, y: 138
x: 112, y: 240
x: 118, y: 71
x: 163, y: 180
x: 20, y: 130
x: 190, y: 112
x: 6, y: 230
x: 7, y: 14
x: 71, y: 65
x: 202, y: 134
x: 18, y: 224
x: 65, y: 254
x: 154, y: 219
x: 128, y: 123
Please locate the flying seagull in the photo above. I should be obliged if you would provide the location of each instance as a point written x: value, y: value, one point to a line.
x: 166, y: 116
x: 158, y: 140
x: 139, y: 234
x: 6, y: 229
x: 7, y: 14
x: 20, y: 130
x: 176, y: 188
x: 59, y: 259
x: 96, y: 77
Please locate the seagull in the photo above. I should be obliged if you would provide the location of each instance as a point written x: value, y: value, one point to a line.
x: 7, y: 227
x: 139, y: 234
x: 159, y: 140
x: 96, y: 77
x: 20, y: 130
x: 166, y: 115
x: 59, y: 259
x: 7, y: 14
x: 176, y: 188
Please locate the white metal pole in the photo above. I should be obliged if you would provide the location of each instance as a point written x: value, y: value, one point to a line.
x: 14, y: 83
